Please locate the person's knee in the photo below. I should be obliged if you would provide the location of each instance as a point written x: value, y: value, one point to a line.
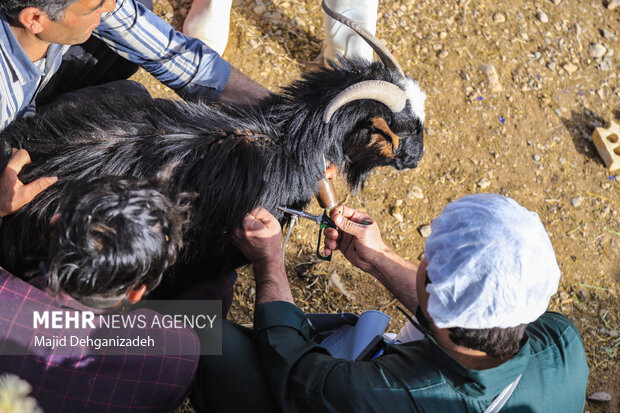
x: 234, y: 380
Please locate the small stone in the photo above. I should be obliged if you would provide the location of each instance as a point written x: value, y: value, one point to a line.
x: 612, y: 4
x: 569, y: 68
x: 605, y: 65
x: 564, y: 295
x: 398, y: 203
x: 425, y: 231
x: 596, y: 50
x: 556, y: 2
x: 443, y: 54
x: 492, y: 77
x: 443, y: 35
x: 499, y: 18
x: 415, y: 193
x: 542, y: 16
x: 576, y: 201
x: 608, y: 35
x: 577, y: 28
x: 613, y: 333
x: 483, y: 183
x: 276, y: 17
x: 551, y: 66
x: 536, y: 157
x: 600, y: 396
x: 399, y: 217
x: 260, y: 9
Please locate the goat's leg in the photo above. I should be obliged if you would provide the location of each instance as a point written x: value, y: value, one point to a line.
x: 342, y: 41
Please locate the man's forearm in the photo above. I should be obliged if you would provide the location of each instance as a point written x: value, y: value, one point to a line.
x: 399, y: 277
x: 271, y: 282
x: 240, y: 89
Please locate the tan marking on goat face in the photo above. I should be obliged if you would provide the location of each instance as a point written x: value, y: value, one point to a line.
x: 382, y: 125
x: 378, y: 140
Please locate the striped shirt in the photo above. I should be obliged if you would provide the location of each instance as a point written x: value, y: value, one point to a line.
x: 182, y: 63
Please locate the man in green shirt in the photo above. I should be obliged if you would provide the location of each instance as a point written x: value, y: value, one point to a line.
x: 480, y: 295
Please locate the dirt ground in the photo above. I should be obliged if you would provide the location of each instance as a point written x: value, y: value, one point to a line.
x: 531, y: 141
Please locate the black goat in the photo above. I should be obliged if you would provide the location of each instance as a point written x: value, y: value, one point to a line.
x: 234, y: 158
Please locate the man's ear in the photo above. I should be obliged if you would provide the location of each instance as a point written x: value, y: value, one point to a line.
x: 136, y: 294
x: 33, y: 19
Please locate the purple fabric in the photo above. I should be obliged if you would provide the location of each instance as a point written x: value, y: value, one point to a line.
x: 93, y: 383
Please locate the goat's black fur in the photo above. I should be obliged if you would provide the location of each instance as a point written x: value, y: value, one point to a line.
x: 234, y: 158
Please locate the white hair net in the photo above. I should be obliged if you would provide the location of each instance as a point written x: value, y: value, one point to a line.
x: 490, y: 263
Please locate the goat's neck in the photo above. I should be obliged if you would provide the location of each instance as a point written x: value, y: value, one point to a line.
x: 304, y: 136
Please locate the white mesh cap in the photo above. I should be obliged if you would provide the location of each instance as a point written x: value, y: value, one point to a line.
x: 490, y: 263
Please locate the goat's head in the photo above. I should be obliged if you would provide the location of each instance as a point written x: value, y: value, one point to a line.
x: 383, y: 111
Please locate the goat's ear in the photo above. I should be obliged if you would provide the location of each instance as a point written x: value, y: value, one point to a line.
x: 387, y: 140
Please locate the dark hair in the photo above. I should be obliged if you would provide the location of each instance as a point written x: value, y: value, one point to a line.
x: 53, y: 8
x: 496, y: 342
x: 114, y: 234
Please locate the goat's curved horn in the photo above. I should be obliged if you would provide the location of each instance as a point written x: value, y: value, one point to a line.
x: 385, y: 92
x: 384, y: 54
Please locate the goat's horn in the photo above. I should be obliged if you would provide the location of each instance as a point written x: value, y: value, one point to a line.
x: 385, y: 92
x: 384, y: 54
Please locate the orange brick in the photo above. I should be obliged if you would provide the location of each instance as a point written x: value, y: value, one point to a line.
x: 607, y: 142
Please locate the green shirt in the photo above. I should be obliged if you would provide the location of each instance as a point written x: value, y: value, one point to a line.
x: 418, y: 376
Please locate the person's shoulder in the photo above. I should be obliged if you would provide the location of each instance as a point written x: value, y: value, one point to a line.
x: 551, y: 330
x: 417, y: 363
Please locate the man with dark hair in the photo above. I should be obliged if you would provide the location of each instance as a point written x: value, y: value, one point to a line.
x: 479, y: 295
x: 114, y: 238
x: 110, y: 245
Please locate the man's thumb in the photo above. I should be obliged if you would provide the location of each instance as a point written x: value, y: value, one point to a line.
x: 348, y: 226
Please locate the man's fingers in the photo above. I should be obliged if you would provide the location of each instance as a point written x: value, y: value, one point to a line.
x: 18, y: 160
x: 39, y: 185
x: 331, y: 244
x: 361, y: 218
x: 352, y: 214
x: 342, y: 210
x: 349, y: 226
x: 259, y: 220
x: 331, y: 233
x: 34, y: 188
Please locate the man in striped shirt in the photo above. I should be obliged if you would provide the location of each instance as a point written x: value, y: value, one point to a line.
x: 36, y: 37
